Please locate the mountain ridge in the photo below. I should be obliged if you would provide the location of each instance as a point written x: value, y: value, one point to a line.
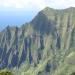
x: 41, y: 46
x: 69, y: 8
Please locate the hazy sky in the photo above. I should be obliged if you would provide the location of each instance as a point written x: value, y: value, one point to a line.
x: 17, y: 12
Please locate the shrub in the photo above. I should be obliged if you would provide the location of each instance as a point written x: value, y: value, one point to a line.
x: 73, y: 73
x: 6, y: 73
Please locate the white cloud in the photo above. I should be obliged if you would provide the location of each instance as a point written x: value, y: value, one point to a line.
x: 36, y: 4
x: 63, y: 3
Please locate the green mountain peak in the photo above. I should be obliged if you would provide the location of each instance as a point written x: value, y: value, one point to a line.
x: 45, y: 46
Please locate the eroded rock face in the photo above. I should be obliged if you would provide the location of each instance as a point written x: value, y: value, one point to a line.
x: 49, y: 34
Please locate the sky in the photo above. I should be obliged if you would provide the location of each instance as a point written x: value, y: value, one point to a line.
x: 18, y: 12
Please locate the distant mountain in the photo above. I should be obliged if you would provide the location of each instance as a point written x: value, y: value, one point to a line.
x: 45, y: 46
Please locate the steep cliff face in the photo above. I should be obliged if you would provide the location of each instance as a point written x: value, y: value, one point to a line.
x: 41, y: 44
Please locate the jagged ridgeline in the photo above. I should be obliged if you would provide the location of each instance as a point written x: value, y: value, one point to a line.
x: 45, y: 46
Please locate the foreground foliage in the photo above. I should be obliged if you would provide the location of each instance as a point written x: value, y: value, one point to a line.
x: 5, y: 73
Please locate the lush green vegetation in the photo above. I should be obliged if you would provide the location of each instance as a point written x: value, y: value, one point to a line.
x: 6, y: 73
x: 73, y: 73
x: 45, y: 46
